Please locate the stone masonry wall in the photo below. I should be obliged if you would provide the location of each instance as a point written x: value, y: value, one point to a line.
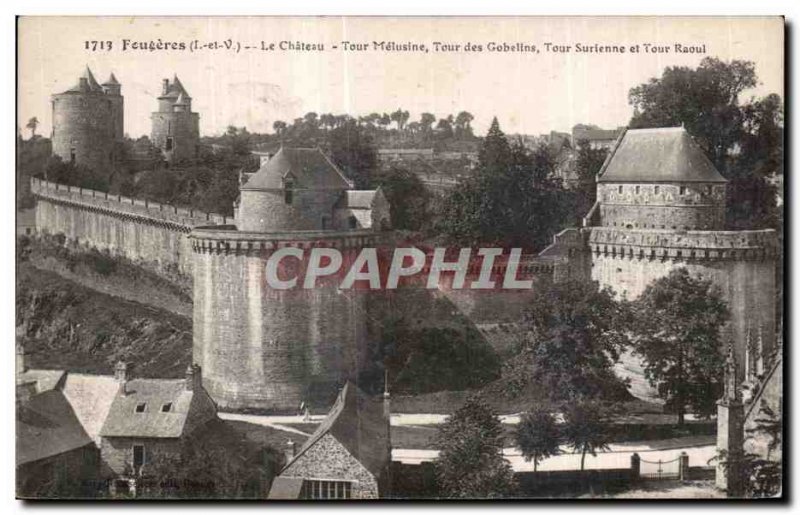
x: 117, y: 453
x: 327, y: 459
x: 84, y: 123
x: 139, y: 230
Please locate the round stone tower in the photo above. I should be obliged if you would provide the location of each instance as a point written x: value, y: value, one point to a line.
x: 88, y: 122
x: 175, y: 129
x: 268, y: 348
x: 660, y: 206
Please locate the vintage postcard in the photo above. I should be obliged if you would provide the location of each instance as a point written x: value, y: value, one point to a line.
x: 344, y: 258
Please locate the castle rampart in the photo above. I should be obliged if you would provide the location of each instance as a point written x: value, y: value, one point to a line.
x: 140, y: 230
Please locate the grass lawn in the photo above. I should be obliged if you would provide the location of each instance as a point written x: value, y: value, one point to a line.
x: 667, y: 490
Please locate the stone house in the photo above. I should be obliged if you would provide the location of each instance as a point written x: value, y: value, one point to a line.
x: 347, y: 457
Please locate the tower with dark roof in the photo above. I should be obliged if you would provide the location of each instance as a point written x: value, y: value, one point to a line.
x: 88, y: 122
x: 176, y: 129
x: 661, y: 206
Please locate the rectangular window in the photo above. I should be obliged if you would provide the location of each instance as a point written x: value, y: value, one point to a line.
x: 169, y: 143
x: 288, y: 191
x: 166, y: 408
x: 656, y: 190
x: 620, y: 189
x: 326, y: 222
x: 72, y: 155
x: 322, y: 489
x: 637, y: 189
x: 141, y: 407
x: 683, y: 190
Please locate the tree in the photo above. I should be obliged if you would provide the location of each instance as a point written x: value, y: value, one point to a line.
x: 409, y: 199
x: 744, y: 141
x: 426, y: 120
x: 679, y: 318
x: 576, y: 335
x: 470, y: 462
x: 588, y: 163
x: 353, y: 150
x: 32, y: 124
x: 586, y: 428
x: 538, y: 435
x: 512, y: 200
x: 463, y: 127
x: 279, y: 127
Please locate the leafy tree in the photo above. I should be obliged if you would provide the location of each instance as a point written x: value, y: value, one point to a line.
x: 744, y: 141
x: 32, y: 124
x: 679, y: 318
x: 463, y: 127
x: 513, y: 198
x: 426, y: 120
x: 470, y: 462
x: 75, y: 175
x: 279, y: 127
x: 588, y: 164
x: 577, y: 332
x: 586, y: 428
x: 353, y: 150
x: 408, y: 197
x: 538, y: 435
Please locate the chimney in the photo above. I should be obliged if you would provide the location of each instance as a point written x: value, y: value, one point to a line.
x: 83, y: 83
x: 165, y: 86
x: 194, y: 377
x: 290, y: 450
x: 22, y: 365
x: 121, y: 375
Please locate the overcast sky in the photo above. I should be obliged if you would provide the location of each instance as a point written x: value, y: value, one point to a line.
x: 529, y: 92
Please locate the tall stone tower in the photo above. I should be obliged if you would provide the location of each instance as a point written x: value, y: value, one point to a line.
x: 176, y: 129
x: 268, y: 348
x: 661, y: 205
x: 88, y: 122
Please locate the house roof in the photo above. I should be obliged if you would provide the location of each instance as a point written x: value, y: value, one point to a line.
x: 47, y: 426
x: 658, y: 155
x: 358, y: 423
x: 91, y: 397
x: 43, y: 380
x: 357, y: 199
x: 310, y: 168
x: 124, y: 420
x: 286, y: 488
x: 175, y: 89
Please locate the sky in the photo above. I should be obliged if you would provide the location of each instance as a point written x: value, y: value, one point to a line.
x: 529, y: 92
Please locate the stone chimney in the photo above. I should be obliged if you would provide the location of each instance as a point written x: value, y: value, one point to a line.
x: 291, y: 449
x: 194, y: 377
x: 165, y: 86
x: 121, y: 375
x: 83, y: 83
x: 22, y: 365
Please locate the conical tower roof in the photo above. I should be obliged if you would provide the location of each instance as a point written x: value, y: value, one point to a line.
x: 176, y: 89
x: 91, y: 83
x: 667, y: 154
x: 112, y: 81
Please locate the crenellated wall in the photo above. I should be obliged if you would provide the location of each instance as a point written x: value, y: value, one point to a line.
x: 148, y: 232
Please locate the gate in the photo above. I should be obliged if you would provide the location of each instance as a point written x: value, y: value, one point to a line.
x: 660, y: 469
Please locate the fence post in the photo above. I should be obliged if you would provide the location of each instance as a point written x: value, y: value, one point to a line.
x: 636, y: 464
x: 683, y: 471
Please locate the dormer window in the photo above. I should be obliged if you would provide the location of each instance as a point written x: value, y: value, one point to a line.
x: 166, y: 408
x: 288, y: 190
x: 141, y: 407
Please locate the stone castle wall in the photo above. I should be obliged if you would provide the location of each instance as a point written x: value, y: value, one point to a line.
x: 84, y: 124
x: 139, y: 230
x: 267, y: 210
x: 741, y: 264
x: 273, y: 349
x: 685, y: 206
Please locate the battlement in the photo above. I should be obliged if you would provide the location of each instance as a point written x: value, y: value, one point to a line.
x: 142, y: 211
x: 689, y: 245
x: 226, y: 240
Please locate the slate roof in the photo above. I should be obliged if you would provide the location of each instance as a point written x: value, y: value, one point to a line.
x: 124, y: 421
x: 91, y: 397
x: 175, y: 89
x: 658, y: 155
x: 47, y: 426
x: 357, y: 422
x: 111, y: 80
x: 92, y: 84
x: 43, y: 380
x: 310, y: 168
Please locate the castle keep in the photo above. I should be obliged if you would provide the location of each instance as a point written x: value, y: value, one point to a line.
x: 176, y: 129
x: 88, y: 122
